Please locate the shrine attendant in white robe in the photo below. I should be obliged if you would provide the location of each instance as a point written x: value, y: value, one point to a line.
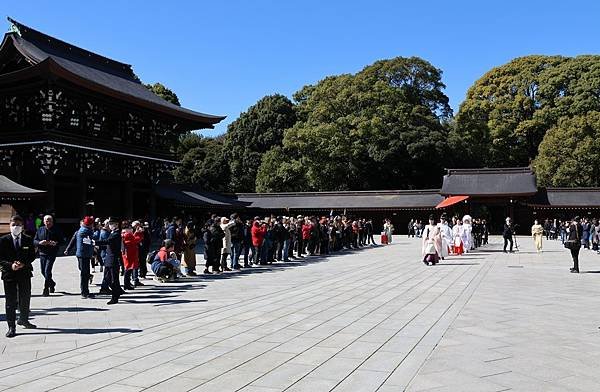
x: 457, y: 234
x: 446, y: 234
x: 431, y: 249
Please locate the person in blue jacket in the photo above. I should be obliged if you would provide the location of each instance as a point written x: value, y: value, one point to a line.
x: 84, y: 253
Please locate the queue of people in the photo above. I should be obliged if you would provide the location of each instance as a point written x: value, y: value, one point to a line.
x: 122, y: 249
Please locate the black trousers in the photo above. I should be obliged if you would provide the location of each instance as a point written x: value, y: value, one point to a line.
x: 17, y: 291
x: 84, y: 275
x: 143, y: 264
x: 575, y: 257
x: 111, y: 275
x: 506, y: 241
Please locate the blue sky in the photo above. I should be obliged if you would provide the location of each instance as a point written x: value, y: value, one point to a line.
x: 222, y: 56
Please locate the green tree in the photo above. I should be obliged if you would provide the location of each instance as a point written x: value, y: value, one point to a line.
x: 254, y: 133
x: 570, y: 152
x: 381, y: 128
x: 202, y: 163
x: 508, y: 111
x: 164, y: 92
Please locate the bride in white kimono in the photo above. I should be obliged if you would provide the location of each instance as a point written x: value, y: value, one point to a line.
x: 467, y: 233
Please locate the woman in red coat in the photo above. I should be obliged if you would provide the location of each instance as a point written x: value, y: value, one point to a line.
x: 130, y: 253
x: 258, y: 233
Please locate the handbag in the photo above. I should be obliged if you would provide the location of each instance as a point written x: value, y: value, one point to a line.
x: 430, y: 248
x: 573, y: 244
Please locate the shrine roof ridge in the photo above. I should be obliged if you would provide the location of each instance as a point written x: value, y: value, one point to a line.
x: 72, y: 52
x: 92, y: 71
x: 490, y: 170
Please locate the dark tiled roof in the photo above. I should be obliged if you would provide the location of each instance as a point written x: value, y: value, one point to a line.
x: 518, y: 181
x: 11, y: 189
x: 343, y: 200
x: 95, y: 69
x: 190, y: 196
x: 567, y: 197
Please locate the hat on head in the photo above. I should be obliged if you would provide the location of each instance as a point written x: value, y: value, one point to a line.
x: 135, y: 223
x: 224, y: 219
x: 88, y: 220
x: 112, y: 219
x: 299, y: 217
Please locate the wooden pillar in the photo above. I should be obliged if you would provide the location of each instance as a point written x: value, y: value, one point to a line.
x: 152, y: 204
x: 128, y: 199
x: 51, y: 195
x: 82, y: 195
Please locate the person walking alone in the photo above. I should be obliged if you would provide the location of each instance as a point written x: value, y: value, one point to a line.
x: 507, y: 234
x: 537, y: 232
x: 16, y: 255
x: 573, y: 243
x: 47, y: 239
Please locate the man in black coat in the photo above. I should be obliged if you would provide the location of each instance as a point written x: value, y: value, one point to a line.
x: 111, y: 262
x: 47, y: 239
x: 507, y: 234
x: 16, y: 255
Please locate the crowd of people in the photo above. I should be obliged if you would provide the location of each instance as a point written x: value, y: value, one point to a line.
x: 574, y: 234
x: 446, y: 238
x: 121, y: 248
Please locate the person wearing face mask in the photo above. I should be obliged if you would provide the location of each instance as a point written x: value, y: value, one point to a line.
x: 16, y: 255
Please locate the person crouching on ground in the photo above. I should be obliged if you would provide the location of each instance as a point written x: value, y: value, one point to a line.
x: 162, y: 265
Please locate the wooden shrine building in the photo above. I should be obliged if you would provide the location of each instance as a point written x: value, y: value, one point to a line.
x: 84, y: 128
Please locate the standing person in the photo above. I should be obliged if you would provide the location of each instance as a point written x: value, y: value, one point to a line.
x: 484, y: 232
x: 247, y: 243
x: 446, y: 236
x: 84, y: 253
x: 306, y: 236
x: 112, y: 244
x: 432, y: 243
x: 457, y: 235
x: 16, y: 255
x: 226, y: 226
x: 189, y: 250
x: 467, y: 233
x: 174, y: 233
x: 144, y: 250
x: 47, y: 239
x: 237, y: 239
x: 131, y: 261
x: 573, y: 242
x: 389, y: 230
x: 507, y: 234
x: 585, y: 238
x: 259, y: 230
x: 537, y: 232
x: 369, y: 228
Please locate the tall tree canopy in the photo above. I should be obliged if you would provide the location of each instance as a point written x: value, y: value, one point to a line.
x: 254, y: 133
x: 164, y: 92
x: 202, y: 163
x: 509, y: 110
x: 381, y: 128
x: 570, y: 152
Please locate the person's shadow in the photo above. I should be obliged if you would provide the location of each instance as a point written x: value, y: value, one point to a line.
x: 79, y: 331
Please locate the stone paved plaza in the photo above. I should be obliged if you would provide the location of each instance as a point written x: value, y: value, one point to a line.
x: 371, y: 320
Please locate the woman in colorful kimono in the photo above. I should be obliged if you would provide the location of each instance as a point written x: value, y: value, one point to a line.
x: 457, y: 234
x: 432, y: 243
